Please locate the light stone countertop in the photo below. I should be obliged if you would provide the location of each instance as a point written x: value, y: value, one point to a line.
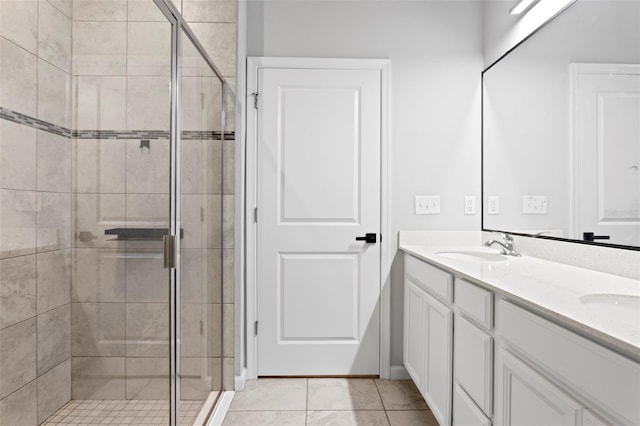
x: 553, y: 290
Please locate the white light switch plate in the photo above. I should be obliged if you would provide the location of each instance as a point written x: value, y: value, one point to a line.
x: 427, y: 204
x: 494, y: 205
x: 469, y: 204
x: 534, y: 204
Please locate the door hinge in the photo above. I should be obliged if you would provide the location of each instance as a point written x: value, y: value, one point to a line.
x: 255, y: 328
x: 255, y: 99
x: 255, y: 215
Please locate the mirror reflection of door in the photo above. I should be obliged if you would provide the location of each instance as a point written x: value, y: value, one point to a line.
x: 606, y: 124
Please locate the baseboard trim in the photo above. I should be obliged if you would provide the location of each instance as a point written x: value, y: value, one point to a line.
x: 398, y: 372
x: 220, y: 410
x: 240, y: 380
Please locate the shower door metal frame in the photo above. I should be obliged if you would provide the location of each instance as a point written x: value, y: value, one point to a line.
x: 178, y: 26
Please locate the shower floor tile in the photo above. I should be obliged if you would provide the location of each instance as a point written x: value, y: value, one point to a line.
x: 122, y: 412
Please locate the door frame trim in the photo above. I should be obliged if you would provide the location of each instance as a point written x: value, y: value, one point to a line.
x: 250, y: 253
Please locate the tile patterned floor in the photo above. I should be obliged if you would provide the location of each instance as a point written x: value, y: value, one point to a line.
x: 329, y: 402
x: 122, y: 412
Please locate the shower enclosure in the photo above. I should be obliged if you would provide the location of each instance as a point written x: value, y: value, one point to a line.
x: 111, y: 218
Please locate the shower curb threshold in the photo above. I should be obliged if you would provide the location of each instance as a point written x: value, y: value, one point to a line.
x: 219, y: 411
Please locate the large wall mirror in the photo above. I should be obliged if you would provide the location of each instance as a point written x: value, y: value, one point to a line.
x: 561, y: 129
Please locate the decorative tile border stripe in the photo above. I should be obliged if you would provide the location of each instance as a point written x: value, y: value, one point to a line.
x: 18, y: 118
x: 151, y: 134
x: 207, y: 135
x: 120, y: 134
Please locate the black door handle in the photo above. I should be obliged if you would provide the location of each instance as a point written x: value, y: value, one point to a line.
x: 368, y: 238
x: 589, y: 236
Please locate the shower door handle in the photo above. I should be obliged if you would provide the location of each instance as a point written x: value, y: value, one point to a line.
x: 169, y: 249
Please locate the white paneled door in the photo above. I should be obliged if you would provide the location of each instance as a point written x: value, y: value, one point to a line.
x: 607, y: 149
x: 318, y: 190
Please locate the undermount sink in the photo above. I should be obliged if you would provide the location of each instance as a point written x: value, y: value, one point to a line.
x: 628, y: 301
x: 623, y: 308
x: 479, y: 256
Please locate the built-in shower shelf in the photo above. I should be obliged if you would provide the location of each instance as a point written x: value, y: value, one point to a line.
x: 140, y: 234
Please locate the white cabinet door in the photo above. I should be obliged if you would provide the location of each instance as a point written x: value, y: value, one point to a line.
x: 414, y: 337
x: 612, y: 385
x: 473, y: 362
x: 525, y: 398
x: 438, y: 375
x: 465, y: 411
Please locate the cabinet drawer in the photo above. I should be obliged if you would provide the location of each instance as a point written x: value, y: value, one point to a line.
x: 475, y: 302
x: 432, y: 279
x: 465, y: 412
x: 609, y: 381
x: 473, y: 362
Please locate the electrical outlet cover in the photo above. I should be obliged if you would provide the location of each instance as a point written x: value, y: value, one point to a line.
x: 494, y: 205
x: 469, y: 204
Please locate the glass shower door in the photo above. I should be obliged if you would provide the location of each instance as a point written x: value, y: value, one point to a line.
x: 121, y: 291
x: 148, y: 201
x: 200, y: 252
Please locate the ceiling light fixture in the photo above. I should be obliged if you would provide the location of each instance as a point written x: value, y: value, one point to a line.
x: 521, y: 6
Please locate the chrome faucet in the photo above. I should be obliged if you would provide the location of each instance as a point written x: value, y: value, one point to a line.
x: 508, y: 247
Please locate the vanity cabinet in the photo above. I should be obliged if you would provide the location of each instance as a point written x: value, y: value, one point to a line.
x: 546, y: 374
x: 480, y: 359
x: 428, y: 334
x: 435, y: 356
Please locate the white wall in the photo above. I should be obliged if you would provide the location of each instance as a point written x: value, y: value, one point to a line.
x: 436, y: 53
x: 502, y: 31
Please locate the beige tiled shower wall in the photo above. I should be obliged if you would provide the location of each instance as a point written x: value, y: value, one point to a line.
x: 35, y: 209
